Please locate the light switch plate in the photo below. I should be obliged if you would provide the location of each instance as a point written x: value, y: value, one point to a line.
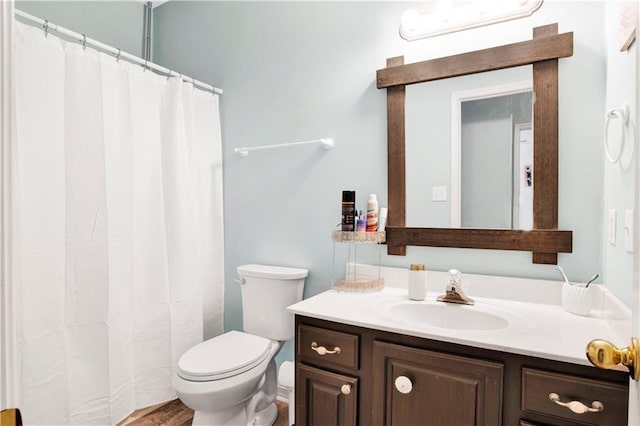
x: 611, y: 227
x: 439, y: 193
x: 628, y: 230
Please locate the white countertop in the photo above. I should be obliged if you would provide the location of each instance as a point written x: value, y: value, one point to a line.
x: 543, y: 330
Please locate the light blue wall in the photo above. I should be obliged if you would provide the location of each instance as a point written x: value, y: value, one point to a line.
x: 302, y: 70
x: 116, y: 23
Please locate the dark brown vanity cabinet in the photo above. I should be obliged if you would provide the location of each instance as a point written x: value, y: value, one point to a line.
x: 348, y: 375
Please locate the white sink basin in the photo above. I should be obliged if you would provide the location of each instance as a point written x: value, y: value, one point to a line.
x: 454, y: 316
x: 484, y: 316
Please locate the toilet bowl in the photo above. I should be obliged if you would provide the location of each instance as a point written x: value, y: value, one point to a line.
x: 219, y: 377
x: 231, y: 379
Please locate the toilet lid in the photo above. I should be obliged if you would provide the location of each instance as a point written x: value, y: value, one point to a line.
x: 226, y: 355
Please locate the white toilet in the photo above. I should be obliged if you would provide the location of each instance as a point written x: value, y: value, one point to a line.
x: 231, y: 379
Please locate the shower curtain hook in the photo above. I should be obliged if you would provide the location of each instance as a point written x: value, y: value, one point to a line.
x: 46, y: 28
x: 118, y: 55
x: 84, y: 42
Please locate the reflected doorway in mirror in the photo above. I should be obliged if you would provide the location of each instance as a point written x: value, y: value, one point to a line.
x: 491, y: 147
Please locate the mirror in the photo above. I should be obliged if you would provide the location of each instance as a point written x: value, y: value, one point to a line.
x: 544, y: 240
x: 474, y: 180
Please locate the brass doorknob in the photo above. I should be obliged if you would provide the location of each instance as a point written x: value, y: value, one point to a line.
x: 606, y: 355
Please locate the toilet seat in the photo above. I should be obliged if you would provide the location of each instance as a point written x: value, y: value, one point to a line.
x: 224, y: 356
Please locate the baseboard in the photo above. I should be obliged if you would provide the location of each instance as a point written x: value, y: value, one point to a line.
x: 283, y: 394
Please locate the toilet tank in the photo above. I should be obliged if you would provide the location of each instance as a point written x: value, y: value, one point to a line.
x: 266, y: 292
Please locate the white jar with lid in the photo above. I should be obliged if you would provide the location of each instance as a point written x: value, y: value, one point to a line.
x: 417, y: 282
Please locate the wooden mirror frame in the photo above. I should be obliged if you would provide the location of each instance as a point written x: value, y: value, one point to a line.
x: 545, y: 241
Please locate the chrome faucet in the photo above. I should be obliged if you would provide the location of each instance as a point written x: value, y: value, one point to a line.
x: 454, y: 293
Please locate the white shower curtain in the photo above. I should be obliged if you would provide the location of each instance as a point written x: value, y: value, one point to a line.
x: 120, y: 241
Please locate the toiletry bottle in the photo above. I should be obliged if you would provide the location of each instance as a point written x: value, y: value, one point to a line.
x: 417, y: 282
x: 362, y: 222
x: 382, y: 219
x: 348, y: 210
x: 372, y: 213
x: 355, y: 218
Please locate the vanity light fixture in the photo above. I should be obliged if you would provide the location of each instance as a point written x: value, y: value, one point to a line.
x: 447, y: 16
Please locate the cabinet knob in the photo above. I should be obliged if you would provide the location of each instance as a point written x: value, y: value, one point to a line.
x: 321, y: 350
x: 403, y: 384
x: 345, y: 389
x: 577, y: 406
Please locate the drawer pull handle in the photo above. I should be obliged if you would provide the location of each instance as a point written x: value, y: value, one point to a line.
x: 321, y: 350
x: 345, y: 389
x: 577, y: 406
x: 403, y: 384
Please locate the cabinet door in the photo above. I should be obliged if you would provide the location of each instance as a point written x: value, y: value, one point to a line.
x: 417, y: 386
x: 324, y: 398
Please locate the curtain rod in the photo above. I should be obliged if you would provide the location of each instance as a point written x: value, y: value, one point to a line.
x: 117, y: 53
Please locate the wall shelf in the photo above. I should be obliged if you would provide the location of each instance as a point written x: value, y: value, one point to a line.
x: 358, y: 237
x: 352, y: 278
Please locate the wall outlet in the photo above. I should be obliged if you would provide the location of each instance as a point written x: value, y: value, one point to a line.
x: 628, y: 230
x: 439, y: 193
x: 611, y: 227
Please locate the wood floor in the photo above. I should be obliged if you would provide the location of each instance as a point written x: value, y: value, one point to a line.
x: 175, y: 413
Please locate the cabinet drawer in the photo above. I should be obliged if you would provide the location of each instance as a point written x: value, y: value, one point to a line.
x: 327, y: 347
x: 537, y: 385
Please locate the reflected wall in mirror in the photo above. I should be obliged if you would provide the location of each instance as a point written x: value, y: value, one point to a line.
x: 461, y: 155
x: 544, y: 240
